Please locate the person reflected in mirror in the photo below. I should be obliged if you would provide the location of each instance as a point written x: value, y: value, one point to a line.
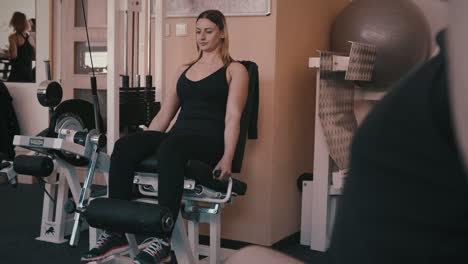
x: 32, y: 32
x: 32, y: 40
x: 21, y: 50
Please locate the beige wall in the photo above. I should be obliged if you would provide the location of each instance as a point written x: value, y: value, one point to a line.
x: 302, y: 28
x: 280, y: 44
x: 251, y: 38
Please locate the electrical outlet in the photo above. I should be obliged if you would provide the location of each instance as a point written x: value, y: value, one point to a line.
x: 168, y: 30
x: 131, y: 5
x: 134, y: 5
x: 181, y: 29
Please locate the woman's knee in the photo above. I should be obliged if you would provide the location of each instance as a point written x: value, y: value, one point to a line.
x: 126, y: 143
x: 122, y: 148
x: 121, y: 143
x: 135, y: 146
x: 169, y: 147
x: 171, y: 153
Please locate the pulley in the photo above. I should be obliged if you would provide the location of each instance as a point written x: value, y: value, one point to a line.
x: 73, y: 119
x: 49, y: 93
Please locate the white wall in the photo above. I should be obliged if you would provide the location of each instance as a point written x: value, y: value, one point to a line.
x: 32, y: 117
x: 7, y: 9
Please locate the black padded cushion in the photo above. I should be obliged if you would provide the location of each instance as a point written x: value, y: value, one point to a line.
x: 39, y: 166
x: 149, y: 164
x: 133, y: 217
x: 248, y: 122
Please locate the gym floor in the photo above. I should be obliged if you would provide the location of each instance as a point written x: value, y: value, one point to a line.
x: 20, y: 219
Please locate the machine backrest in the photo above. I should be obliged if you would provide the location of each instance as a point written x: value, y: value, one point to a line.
x: 248, y: 123
x: 9, y: 125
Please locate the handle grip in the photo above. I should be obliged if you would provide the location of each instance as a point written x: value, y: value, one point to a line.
x: 217, y: 173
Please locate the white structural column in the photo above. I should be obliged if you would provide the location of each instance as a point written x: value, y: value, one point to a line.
x: 334, y: 120
x: 321, y: 183
x: 458, y: 63
x: 113, y: 54
x: 159, y: 71
x: 43, y: 38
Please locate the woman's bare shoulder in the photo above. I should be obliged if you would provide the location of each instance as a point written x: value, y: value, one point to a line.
x: 237, y: 67
x: 181, y: 69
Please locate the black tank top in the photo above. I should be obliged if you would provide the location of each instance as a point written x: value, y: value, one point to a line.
x: 203, y: 105
x: 21, y: 66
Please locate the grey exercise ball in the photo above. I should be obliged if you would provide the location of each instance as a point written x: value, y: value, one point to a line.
x: 398, y: 29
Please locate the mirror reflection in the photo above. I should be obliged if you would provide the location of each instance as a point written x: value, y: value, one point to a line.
x: 18, y: 41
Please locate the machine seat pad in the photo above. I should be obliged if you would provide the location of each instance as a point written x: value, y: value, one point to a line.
x: 149, y: 165
x: 199, y: 171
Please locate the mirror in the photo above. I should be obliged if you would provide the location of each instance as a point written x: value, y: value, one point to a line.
x: 18, y: 27
x: 31, y: 115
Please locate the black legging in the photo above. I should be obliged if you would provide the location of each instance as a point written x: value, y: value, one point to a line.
x: 173, y: 152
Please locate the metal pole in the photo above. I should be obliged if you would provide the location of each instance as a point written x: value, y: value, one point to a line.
x: 133, y: 46
x: 149, y: 38
x: 125, y: 43
x: 137, y: 75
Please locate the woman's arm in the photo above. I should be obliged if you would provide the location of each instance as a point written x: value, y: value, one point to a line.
x: 12, y: 51
x: 169, y: 108
x: 238, y: 90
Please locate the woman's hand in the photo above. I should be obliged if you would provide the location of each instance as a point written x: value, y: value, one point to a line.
x: 4, y: 52
x: 224, y: 166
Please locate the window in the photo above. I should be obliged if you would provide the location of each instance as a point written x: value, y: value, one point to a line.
x: 83, y: 59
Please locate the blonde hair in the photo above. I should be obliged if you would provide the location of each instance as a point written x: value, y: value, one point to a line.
x: 19, y: 22
x: 217, y: 18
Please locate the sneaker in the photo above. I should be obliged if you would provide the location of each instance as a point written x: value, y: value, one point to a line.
x: 158, y: 251
x: 107, y: 245
x: 3, y: 179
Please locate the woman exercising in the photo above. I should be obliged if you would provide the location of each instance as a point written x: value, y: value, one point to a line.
x: 21, y: 50
x: 211, y: 93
